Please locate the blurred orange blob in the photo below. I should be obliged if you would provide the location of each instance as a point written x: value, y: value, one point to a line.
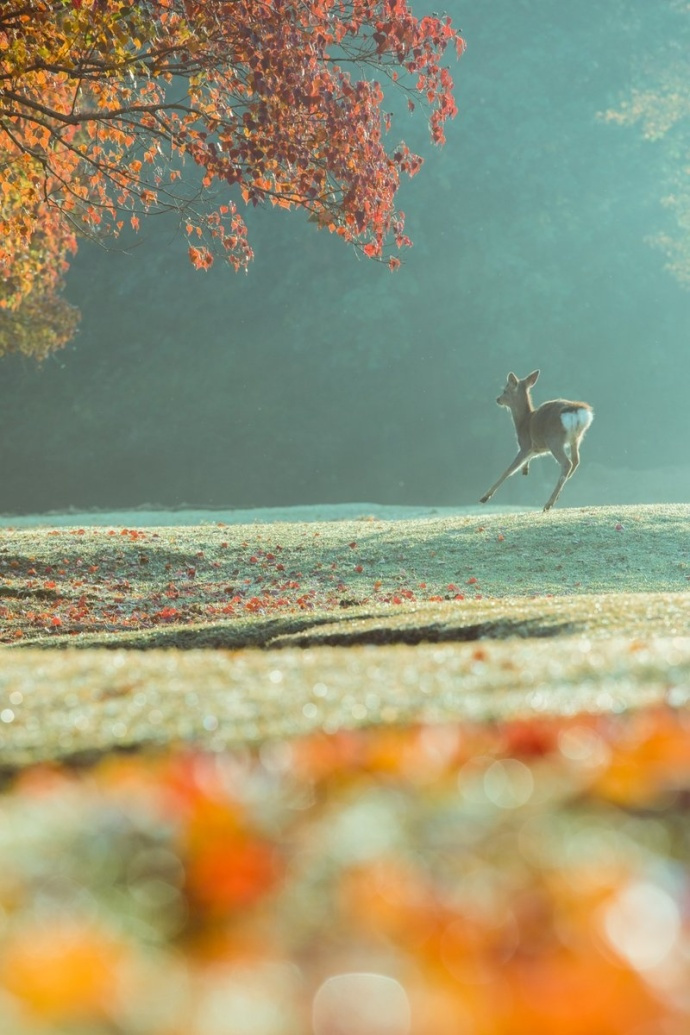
x: 653, y: 758
x: 563, y: 994
x: 64, y: 971
x: 391, y: 899
x: 229, y: 863
x: 229, y: 873
x: 572, y: 994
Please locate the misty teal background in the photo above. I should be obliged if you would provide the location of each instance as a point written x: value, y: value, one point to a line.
x: 321, y: 377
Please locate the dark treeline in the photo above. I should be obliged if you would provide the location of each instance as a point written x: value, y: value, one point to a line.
x: 319, y: 377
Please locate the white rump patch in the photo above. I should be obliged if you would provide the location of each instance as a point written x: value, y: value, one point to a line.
x: 576, y: 421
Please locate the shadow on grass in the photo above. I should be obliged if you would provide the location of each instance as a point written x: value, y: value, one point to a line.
x: 311, y: 631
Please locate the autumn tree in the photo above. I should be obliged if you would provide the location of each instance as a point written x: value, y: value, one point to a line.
x: 105, y: 103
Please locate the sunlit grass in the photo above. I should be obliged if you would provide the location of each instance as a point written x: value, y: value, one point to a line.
x: 66, y: 584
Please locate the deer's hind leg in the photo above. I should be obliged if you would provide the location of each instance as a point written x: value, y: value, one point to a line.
x: 567, y: 468
x: 574, y: 453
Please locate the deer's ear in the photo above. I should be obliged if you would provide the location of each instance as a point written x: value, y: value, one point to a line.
x: 531, y: 379
x: 512, y: 379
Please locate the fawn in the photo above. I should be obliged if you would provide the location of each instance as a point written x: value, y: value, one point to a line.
x: 548, y: 429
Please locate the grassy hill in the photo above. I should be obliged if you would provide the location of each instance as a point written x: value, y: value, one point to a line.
x: 224, y: 634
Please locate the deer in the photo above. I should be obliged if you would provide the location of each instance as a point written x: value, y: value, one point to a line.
x: 550, y: 428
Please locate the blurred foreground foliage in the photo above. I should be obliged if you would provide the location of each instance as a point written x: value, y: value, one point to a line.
x: 527, y: 877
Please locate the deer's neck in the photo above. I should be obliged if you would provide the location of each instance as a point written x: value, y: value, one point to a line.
x: 521, y: 411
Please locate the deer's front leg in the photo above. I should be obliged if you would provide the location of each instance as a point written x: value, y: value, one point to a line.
x: 517, y: 463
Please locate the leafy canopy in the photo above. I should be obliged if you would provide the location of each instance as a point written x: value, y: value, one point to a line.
x: 102, y: 102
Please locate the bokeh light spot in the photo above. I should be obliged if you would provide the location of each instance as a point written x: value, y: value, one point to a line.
x: 361, y: 1004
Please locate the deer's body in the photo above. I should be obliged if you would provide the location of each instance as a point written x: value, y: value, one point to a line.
x: 555, y: 427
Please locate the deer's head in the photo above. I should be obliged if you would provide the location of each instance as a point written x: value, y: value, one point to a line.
x: 517, y: 391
